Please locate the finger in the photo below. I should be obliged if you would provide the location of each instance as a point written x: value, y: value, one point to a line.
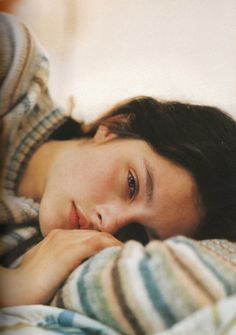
x: 85, y: 248
x: 66, y: 237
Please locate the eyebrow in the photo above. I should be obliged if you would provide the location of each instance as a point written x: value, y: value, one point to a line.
x: 149, y: 182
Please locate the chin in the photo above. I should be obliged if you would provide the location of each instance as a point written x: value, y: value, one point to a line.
x: 45, y: 230
x: 47, y: 223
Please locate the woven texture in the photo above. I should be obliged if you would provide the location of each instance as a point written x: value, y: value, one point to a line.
x: 29, y: 116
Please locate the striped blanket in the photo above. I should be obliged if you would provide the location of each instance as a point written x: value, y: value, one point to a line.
x: 177, y: 286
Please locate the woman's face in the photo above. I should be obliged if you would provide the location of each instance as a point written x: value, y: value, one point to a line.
x: 107, y: 183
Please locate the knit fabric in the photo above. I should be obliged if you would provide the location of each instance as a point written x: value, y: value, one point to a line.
x: 178, y: 286
x: 29, y: 116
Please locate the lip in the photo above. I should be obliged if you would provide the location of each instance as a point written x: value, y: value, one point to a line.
x: 77, y: 219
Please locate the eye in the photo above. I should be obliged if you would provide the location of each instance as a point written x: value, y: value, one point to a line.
x: 132, y: 185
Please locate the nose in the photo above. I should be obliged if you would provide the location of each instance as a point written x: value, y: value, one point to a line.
x: 111, y: 217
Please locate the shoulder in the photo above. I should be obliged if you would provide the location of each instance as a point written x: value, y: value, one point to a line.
x: 29, y: 114
x: 23, y: 62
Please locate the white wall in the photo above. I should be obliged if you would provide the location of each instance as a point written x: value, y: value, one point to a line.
x: 106, y: 50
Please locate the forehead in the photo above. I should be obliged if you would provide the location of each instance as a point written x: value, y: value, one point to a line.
x: 176, y: 206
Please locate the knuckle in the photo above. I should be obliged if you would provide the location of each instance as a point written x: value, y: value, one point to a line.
x: 97, y: 242
x: 102, y: 240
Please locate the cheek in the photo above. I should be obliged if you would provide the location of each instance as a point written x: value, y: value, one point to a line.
x: 88, y: 176
x: 102, y: 177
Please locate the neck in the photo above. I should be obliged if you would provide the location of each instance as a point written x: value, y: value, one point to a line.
x: 34, y: 178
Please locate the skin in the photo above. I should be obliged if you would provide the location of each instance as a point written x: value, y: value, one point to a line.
x: 104, y: 178
x: 41, y: 272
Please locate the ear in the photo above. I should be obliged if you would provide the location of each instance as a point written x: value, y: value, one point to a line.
x: 103, y: 134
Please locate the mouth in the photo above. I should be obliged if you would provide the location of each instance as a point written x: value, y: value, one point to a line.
x: 77, y: 220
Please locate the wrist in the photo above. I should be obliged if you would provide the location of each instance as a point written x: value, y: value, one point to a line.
x: 14, y: 290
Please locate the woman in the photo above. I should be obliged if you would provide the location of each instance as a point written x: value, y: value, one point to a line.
x: 169, y: 167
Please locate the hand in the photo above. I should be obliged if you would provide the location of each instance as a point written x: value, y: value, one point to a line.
x: 48, y: 264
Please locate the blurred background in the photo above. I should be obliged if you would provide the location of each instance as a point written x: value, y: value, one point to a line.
x: 106, y: 50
